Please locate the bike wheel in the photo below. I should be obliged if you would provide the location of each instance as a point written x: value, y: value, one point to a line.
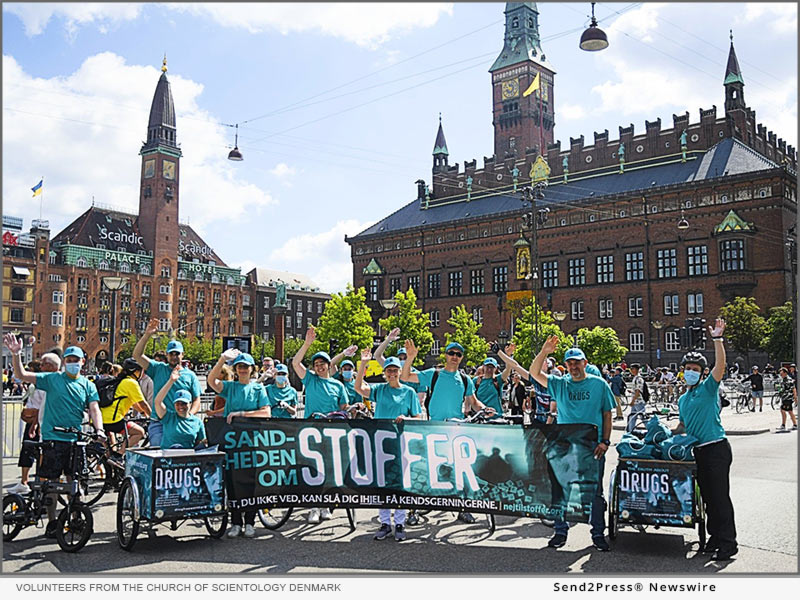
x: 74, y: 527
x: 127, y: 525
x: 491, y: 522
x: 13, y: 516
x: 216, y: 524
x: 351, y: 517
x: 613, y: 522
x: 775, y: 403
x: 98, y: 480
x: 274, y: 518
x: 740, y: 404
x: 751, y: 404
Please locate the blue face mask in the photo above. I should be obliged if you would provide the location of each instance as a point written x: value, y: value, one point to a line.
x: 281, y: 379
x: 691, y: 377
x: 347, y: 374
x: 73, y: 369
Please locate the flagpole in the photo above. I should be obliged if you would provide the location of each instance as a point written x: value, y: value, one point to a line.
x: 541, y: 133
x: 41, y: 199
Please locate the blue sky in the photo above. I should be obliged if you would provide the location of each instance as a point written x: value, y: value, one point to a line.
x: 338, y: 103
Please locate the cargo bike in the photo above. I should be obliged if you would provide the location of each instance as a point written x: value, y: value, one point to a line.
x: 171, y: 487
x: 657, y: 493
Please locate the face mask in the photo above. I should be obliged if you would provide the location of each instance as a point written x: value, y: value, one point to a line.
x: 347, y: 374
x: 402, y: 362
x: 281, y: 379
x: 691, y: 377
x: 73, y: 369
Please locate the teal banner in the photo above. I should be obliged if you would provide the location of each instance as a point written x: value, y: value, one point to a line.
x: 536, y: 471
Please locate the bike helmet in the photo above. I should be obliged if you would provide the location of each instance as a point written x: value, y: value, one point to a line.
x: 129, y: 365
x: 694, y: 358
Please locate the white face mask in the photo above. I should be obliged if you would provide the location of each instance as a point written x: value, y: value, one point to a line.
x: 347, y: 374
x: 73, y: 369
x: 281, y: 379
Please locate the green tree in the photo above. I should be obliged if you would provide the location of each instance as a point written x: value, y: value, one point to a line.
x: 547, y: 326
x: 290, y: 348
x: 126, y: 350
x: 346, y: 319
x: 413, y: 324
x: 465, y: 332
x: 780, y: 333
x: 745, y: 328
x: 601, y: 345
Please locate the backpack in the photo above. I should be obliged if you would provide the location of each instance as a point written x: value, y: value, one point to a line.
x: 106, y: 390
x: 429, y: 393
x: 645, y: 393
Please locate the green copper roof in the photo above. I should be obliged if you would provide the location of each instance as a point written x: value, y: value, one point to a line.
x: 521, y: 41
x: 440, y: 145
x: 733, y: 222
x: 373, y: 268
x: 521, y: 242
x: 734, y: 78
x: 733, y: 74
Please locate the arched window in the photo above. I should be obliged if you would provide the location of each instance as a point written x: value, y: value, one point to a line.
x: 103, y: 265
x: 125, y: 268
x: 81, y: 262
x: 145, y: 269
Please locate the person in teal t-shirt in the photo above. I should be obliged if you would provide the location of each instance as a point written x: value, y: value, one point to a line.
x: 392, y: 336
x: 323, y: 394
x: 243, y: 398
x: 699, y: 414
x: 452, y: 391
x: 398, y: 402
x: 580, y: 398
x: 345, y: 371
x: 181, y: 428
x: 489, y: 382
x: 282, y: 396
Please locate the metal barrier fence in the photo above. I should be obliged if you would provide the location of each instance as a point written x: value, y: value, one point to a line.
x: 13, y: 427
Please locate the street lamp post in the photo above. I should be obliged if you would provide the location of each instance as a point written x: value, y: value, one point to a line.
x: 114, y: 284
x: 658, y: 326
x: 532, y: 194
x: 387, y: 304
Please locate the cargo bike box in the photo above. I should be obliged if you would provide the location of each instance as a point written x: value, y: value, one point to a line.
x: 174, y: 485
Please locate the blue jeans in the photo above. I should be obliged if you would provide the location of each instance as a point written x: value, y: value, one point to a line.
x: 598, y: 516
x: 156, y: 431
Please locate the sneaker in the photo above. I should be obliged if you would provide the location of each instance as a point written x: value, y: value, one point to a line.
x: 725, y: 554
x: 399, y: 533
x: 20, y: 488
x: 794, y: 427
x: 412, y: 518
x: 383, y: 532
x: 557, y: 541
x: 325, y: 514
x: 234, y: 531
x: 781, y: 428
x: 600, y: 543
x: 466, y: 517
x: 50, y: 530
x: 313, y: 516
x: 249, y: 531
x: 710, y: 547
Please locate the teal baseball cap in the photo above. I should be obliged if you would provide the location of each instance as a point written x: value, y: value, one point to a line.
x: 74, y: 351
x: 323, y: 355
x: 183, y: 396
x: 492, y: 362
x: 346, y: 362
x: 281, y: 368
x: 574, y: 354
x: 244, y: 357
x: 455, y: 345
x: 592, y: 370
x: 174, y: 346
x: 402, y: 350
x: 392, y: 361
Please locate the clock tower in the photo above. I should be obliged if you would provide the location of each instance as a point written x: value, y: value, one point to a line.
x: 522, y: 121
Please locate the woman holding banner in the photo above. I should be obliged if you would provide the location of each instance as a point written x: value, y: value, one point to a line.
x: 243, y: 398
x: 395, y: 401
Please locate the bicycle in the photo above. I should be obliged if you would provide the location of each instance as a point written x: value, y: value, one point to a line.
x: 74, y: 524
x: 744, y: 399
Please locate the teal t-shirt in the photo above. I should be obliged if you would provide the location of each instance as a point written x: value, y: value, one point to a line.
x: 582, y: 401
x: 350, y: 388
x: 277, y: 395
x: 184, y: 432
x: 448, y: 395
x: 67, y: 399
x: 240, y: 396
x: 489, y: 394
x: 323, y: 395
x: 417, y: 387
x: 699, y: 412
x: 159, y: 372
x: 391, y: 403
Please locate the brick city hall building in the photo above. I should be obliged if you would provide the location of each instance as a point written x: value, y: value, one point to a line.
x: 54, y: 289
x: 638, y: 233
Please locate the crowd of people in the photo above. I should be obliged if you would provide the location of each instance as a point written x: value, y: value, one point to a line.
x: 165, y: 391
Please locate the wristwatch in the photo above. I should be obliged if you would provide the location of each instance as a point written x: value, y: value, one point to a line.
x: 606, y: 442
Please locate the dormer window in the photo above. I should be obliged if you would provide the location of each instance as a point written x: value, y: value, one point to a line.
x: 515, y: 22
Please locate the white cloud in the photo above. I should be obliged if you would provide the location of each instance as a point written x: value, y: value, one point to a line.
x: 35, y: 16
x: 639, y: 23
x: 325, y: 257
x: 571, y: 112
x: 368, y: 25
x: 782, y: 15
x: 283, y: 170
x: 83, y: 132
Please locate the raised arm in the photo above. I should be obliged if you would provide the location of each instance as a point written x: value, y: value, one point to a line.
x: 411, y: 354
x: 535, y: 371
x: 297, y: 361
x: 349, y: 351
x: 14, y: 346
x: 362, y: 388
x: 719, y: 349
x: 161, y: 408
x: 506, y: 357
x: 141, y: 344
x: 214, y: 381
x: 393, y: 335
x: 509, y: 360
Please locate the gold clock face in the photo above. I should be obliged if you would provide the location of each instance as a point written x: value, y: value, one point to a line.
x: 510, y: 88
x: 169, y: 169
x: 149, y: 168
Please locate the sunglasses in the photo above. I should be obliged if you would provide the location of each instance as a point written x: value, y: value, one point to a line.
x: 454, y: 353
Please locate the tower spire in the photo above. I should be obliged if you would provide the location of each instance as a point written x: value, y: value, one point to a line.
x: 440, y: 152
x: 734, y: 82
x: 161, y: 130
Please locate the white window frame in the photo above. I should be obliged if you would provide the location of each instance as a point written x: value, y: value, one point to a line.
x: 636, y: 341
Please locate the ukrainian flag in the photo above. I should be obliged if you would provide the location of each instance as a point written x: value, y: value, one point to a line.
x: 37, y: 189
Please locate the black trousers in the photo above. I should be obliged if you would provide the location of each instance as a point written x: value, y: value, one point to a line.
x: 713, y: 476
x: 249, y: 517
